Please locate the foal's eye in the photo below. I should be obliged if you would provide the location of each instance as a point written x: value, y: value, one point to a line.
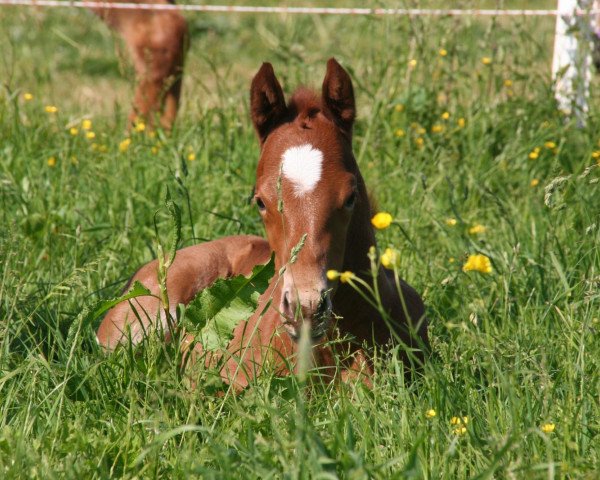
x: 260, y: 204
x: 350, y: 201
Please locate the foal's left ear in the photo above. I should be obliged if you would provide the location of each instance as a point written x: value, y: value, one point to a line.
x: 267, y: 103
x: 338, y: 95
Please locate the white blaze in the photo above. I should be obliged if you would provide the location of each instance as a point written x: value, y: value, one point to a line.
x: 302, y: 166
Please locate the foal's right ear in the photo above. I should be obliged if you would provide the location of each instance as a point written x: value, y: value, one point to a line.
x: 267, y: 103
x: 338, y: 95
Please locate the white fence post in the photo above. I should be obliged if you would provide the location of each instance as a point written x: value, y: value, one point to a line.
x: 571, y: 62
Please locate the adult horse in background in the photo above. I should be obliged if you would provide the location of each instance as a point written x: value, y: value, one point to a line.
x: 157, y: 42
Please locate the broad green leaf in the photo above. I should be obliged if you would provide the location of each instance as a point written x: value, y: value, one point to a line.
x: 214, y: 313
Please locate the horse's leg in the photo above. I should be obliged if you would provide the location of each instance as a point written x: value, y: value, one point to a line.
x: 193, y: 269
x: 157, y: 42
x: 360, y: 369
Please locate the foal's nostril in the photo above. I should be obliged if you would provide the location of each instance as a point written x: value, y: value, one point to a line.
x: 286, y: 301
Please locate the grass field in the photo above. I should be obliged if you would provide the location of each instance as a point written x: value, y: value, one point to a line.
x: 457, y: 128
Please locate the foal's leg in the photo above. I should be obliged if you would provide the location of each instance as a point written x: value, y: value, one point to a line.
x: 359, y: 369
x: 193, y: 269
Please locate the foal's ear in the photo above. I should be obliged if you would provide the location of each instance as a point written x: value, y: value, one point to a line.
x: 267, y: 103
x: 338, y: 95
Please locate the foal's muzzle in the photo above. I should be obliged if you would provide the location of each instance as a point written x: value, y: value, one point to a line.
x: 313, y: 307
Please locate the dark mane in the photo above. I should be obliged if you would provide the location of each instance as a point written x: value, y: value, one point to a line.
x: 305, y: 103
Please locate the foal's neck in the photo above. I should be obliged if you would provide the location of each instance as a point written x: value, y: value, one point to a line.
x: 360, y: 237
x: 360, y: 319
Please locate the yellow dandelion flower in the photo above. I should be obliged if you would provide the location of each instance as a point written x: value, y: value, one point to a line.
x: 191, y: 157
x: 390, y: 258
x: 50, y: 109
x: 73, y: 131
x: 381, y: 220
x: 437, y: 129
x: 550, y: 145
x: 51, y: 162
x: 486, y: 60
x: 478, y: 263
x: 419, y: 142
x: 443, y: 52
x: 414, y: 125
x: 451, y: 222
x: 596, y: 154
x: 412, y: 63
x: 534, y: 182
x: 154, y: 150
x: 430, y: 413
x: 459, y: 420
x: 533, y: 155
x: 476, y: 229
x: 332, y: 275
x: 451, y: 260
x: 346, y: 276
x: 399, y: 107
x: 90, y: 135
x: 27, y: 96
x: 460, y: 424
x: 461, y: 122
x: 124, y: 145
x: 508, y: 83
x: 446, y: 115
x: 548, y: 427
x: 421, y: 131
x: 140, y: 126
x: 86, y: 124
x: 400, y: 132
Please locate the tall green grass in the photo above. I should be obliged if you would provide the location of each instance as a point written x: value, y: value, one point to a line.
x: 512, y: 350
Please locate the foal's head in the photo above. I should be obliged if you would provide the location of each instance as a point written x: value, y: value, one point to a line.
x: 308, y: 188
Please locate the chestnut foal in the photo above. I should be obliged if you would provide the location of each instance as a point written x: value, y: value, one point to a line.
x: 310, y: 193
x: 157, y: 42
x: 316, y: 212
